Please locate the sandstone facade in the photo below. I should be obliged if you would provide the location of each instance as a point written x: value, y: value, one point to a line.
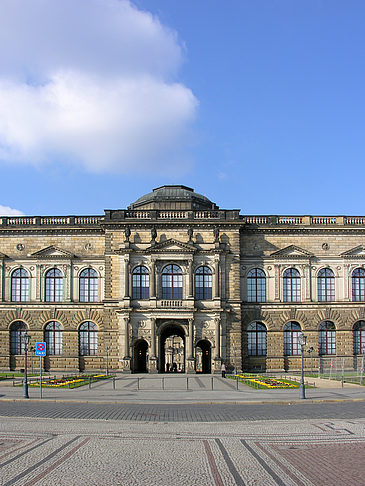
x: 196, y: 283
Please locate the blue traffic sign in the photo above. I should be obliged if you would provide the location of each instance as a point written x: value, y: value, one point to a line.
x: 40, y: 349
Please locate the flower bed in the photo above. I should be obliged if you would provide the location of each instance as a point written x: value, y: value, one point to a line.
x: 69, y: 381
x: 260, y: 381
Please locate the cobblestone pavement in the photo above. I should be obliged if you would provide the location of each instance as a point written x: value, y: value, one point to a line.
x: 71, y: 452
x: 187, y: 412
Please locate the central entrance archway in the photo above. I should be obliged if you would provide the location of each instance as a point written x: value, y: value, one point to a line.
x: 140, y: 356
x: 172, y: 349
x: 203, y: 357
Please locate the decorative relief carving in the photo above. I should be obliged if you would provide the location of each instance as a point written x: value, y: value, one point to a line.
x: 88, y: 246
x: 325, y: 246
x: 20, y: 247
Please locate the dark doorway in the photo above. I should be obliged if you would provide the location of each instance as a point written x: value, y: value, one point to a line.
x: 204, y: 357
x: 140, y: 356
x: 172, y: 349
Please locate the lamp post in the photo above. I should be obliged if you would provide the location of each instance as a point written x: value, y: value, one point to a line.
x: 235, y: 361
x: 31, y: 349
x: 107, y: 360
x: 302, y: 339
x: 26, y: 338
x: 310, y: 352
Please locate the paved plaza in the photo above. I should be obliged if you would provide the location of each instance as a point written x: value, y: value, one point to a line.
x: 125, y: 436
x: 125, y: 453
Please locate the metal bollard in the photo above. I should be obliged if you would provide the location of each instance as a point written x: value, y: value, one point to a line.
x: 89, y: 382
x: 212, y: 383
x: 236, y: 383
x: 187, y: 383
x: 137, y: 383
x: 113, y: 383
x: 163, y: 383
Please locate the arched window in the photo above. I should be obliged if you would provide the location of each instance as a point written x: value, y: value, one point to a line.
x: 89, y: 285
x: 54, y: 285
x: 291, y: 285
x: 256, y: 336
x: 291, y: 334
x: 358, y: 285
x: 256, y: 285
x: 140, y: 283
x: 203, y: 283
x: 88, y: 339
x: 327, y: 338
x: 17, y: 330
x: 172, y: 283
x: 53, y: 338
x: 359, y: 337
x: 326, y: 285
x: 20, y: 285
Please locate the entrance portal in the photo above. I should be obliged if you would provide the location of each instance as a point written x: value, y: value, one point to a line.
x: 172, y: 349
x: 140, y: 356
x: 203, y: 357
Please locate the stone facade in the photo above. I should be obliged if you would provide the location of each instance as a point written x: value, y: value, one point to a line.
x: 133, y: 315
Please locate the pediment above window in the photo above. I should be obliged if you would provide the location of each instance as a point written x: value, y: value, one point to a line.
x: 171, y: 246
x: 53, y: 252
x: 357, y: 252
x: 291, y: 251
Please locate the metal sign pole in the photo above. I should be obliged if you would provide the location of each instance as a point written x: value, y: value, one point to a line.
x: 40, y: 373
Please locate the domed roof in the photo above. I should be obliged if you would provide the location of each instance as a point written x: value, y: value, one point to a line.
x: 173, y: 197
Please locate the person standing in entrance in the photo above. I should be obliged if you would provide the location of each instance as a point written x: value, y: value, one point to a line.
x: 223, y: 370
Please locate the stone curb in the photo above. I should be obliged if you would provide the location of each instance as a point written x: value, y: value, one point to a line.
x: 197, y: 402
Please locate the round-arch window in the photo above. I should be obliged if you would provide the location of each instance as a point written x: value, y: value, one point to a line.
x: 359, y: 337
x: 358, y: 285
x: 20, y: 285
x: 291, y: 339
x: 88, y: 339
x: 256, y: 285
x: 17, y: 341
x: 327, y: 338
x: 291, y: 285
x: 140, y: 283
x: 326, y: 285
x: 53, y: 338
x: 172, y: 282
x: 89, y: 285
x: 203, y: 283
x: 256, y: 337
x: 54, y: 285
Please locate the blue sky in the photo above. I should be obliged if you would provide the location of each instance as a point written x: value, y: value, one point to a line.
x: 258, y: 105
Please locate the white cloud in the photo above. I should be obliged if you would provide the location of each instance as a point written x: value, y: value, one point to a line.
x: 91, y: 82
x: 6, y: 211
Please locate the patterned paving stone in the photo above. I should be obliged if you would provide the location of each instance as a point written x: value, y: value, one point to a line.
x: 183, y: 412
x: 44, y: 452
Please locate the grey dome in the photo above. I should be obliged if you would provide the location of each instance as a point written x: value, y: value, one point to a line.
x: 173, y: 197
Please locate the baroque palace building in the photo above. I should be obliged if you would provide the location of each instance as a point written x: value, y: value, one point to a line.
x: 176, y: 282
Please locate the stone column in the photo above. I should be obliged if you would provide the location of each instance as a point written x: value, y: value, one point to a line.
x: 277, y: 282
x: 190, y: 281
x: 190, y: 362
x: 216, y: 278
x: 153, y: 279
x: 307, y: 282
x: 67, y: 282
x: 153, y: 338
x: 126, y: 277
x: 218, y: 338
x: 2, y: 279
x: 126, y: 338
x: 123, y: 349
x: 153, y: 358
